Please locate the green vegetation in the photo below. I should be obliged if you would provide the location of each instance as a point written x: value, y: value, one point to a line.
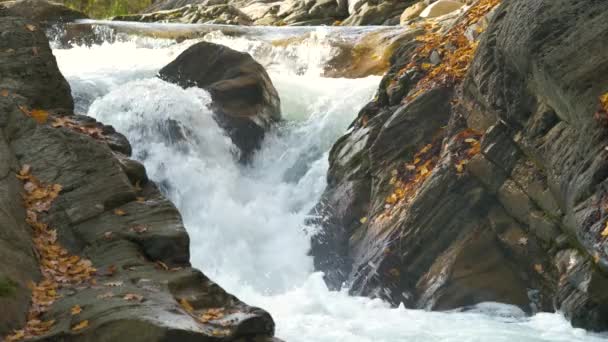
x: 7, y: 287
x: 107, y: 8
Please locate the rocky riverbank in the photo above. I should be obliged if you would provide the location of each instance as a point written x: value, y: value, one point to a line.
x: 92, y: 251
x: 479, y: 171
x: 294, y: 12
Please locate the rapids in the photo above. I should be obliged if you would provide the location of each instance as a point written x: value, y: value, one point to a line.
x: 246, y: 223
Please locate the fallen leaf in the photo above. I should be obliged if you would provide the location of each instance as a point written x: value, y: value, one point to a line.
x: 76, y: 309
x: 605, y: 231
x: 80, y: 325
x: 140, y: 199
x: 30, y: 27
x: 363, y: 220
x: 26, y: 169
x: 139, y: 228
x: 132, y: 297
x: 4, y: 92
x: 161, y: 265
x: 538, y: 268
x: 39, y: 115
x: 120, y: 212
x: 186, y: 305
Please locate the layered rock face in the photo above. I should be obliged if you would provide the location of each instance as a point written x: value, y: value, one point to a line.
x: 92, y: 251
x: 245, y: 101
x: 480, y: 179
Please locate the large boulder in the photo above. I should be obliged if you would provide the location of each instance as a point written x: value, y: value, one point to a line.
x: 112, y: 250
x: 480, y: 175
x: 441, y: 7
x: 244, y: 99
x: 387, y: 12
x: 44, y: 12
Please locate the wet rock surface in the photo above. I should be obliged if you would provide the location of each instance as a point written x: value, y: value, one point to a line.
x: 106, y: 211
x: 245, y: 101
x: 486, y: 185
x: 45, y: 13
x: 286, y: 12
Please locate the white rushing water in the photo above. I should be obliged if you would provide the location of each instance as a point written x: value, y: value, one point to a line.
x: 245, y: 223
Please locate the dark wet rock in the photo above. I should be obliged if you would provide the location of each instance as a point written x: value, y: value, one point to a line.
x: 28, y: 46
x: 287, y: 12
x: 522, y: 221
x: 194, y: 14
x: 45, y: 13
x: 91, y: 163
x: 386, y: 12
x: 244, y: 99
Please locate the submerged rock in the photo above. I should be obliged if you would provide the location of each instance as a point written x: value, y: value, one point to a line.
x: 104, y: 214
x: 488, y: 184
x: 244, y: 99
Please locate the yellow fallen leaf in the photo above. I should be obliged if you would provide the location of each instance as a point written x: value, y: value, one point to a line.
x: 363, y: 220
x: 186, y: 305
x: 538, y: 268
x: 76, y: 309
x: 30, y: 27
x: 80, y: 325
x: 120, y: 212
x: 39, y: 115
x: 605, y: 231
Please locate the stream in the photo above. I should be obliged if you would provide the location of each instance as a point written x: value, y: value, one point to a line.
x: 246, y: 222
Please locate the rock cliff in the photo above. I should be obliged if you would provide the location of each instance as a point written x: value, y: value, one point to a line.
x: 91, y: 250
x: 478, y: 173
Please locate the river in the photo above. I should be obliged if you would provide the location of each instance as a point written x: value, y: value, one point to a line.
x: 246, y: 222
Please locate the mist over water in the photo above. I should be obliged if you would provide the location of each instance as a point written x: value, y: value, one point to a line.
x: 246, y: 223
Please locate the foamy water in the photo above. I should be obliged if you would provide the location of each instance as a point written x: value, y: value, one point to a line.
x: 246, y: 223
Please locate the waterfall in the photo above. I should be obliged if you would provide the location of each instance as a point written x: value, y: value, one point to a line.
x: 246, y: 222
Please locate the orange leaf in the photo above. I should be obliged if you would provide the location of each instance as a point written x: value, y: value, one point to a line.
x: 4, y: 92
x: 132, y: 297
x: 186, y: 305
x: 76, y: 309
x: 80, y: 325
x: 39, y: 115
x: 120, y: 212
